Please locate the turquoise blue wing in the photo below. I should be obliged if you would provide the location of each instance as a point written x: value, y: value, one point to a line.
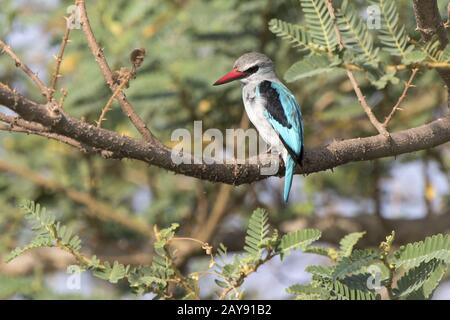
x: 284, y: 114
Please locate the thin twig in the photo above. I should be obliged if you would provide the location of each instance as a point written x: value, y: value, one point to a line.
x: 361, y: 98
x: 63, y: 98
x: 336, y: 28
x: 363, y: 102
x: 100, y: 58
x: 408, y: 85
x: 243, y: 276
x: 108, y: 105
x: 32, y: 75
x: 59, y: 58
x: 334, y: 154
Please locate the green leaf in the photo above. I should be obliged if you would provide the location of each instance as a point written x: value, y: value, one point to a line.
x: 112, y: 273
x: 221, y: 284
x: 414, y: 56
x: 432, y: 50
x: 416, y: 277
x: 392, y: 34
x: 354, y: 263
x: 39, y: 214
x: 348, y: 242
x: 310, y: 66
x: 413, y: 254
x: 380, y: 81
x: 320, y: 24
x: 67, y: 238
x: 340, y: 291
x: 357, y: 281
x: 48, y: 231
x: 296, y: 35
x: 433, y: 280
x: 445, y: 57
x: 257, y: 232
x: 299, y: 239
x: 319, y: 250
x: 308, y: 292
x: 40, y: 241
x: 320, y: 271
x: 356, y: 35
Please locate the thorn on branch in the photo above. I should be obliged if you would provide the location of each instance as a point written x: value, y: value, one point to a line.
x: 107, y: 154
x: 121, y: 79
x: 396, y: 107
x: 59, y: 58
x: 63, y: 98
x: 32, y: 75
x: 54, y: 111
x: 100, y: 58
x: 361, y: 98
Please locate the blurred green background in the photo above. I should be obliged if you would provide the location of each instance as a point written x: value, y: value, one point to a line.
x: 189, y: 44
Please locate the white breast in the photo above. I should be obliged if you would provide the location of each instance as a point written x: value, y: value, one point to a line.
x: 254, y: 106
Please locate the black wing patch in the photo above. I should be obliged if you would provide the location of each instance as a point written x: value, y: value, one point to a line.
x: 273, y: 105
x: 297, y: 158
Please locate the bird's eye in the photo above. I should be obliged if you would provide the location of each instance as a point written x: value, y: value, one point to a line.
x: 252, y: 70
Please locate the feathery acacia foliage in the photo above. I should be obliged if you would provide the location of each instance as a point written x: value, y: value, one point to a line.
x: 416, y: 277
x: 348, y: 242
x: 296, y: 35
x: 360, y: 47
x: 356, y: 35
x: 347, y: 279
x: 300, y: 239
x: 364, y: 273
x: 413, y: 254
x: 320, y: 23
x: 259, y: 248
x: 310, y: 66
x: 169, y: 92
x: 354, y: 263
x: 392, y: 34
x: 257, y: 232
x: 149, y: 279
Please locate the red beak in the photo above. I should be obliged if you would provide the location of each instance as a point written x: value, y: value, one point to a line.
x: 230, y: 76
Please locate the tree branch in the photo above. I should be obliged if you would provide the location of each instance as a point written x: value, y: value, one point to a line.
x: 361, y: 98
x: 46, y: 92
x: 408, y: 85
x: 108, y: 105
x: 100, y: 58
x: 59, y: 58
x: 319, y: 159
x: 429, y: 23
x: 363, y: 102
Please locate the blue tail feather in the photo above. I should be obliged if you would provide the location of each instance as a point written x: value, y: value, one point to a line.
x: 290, y: 169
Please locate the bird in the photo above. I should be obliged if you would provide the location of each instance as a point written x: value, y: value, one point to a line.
x: 272, y: 109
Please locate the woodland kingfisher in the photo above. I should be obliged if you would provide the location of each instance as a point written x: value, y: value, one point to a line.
x: 272, y: 109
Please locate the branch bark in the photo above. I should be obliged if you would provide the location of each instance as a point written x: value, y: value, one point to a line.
x: 429, y: 23
x: 318, y: 159
x: 100, y: 58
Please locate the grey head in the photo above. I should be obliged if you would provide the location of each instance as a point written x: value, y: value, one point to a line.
x: 256, y: 65
x: 252, y: 67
